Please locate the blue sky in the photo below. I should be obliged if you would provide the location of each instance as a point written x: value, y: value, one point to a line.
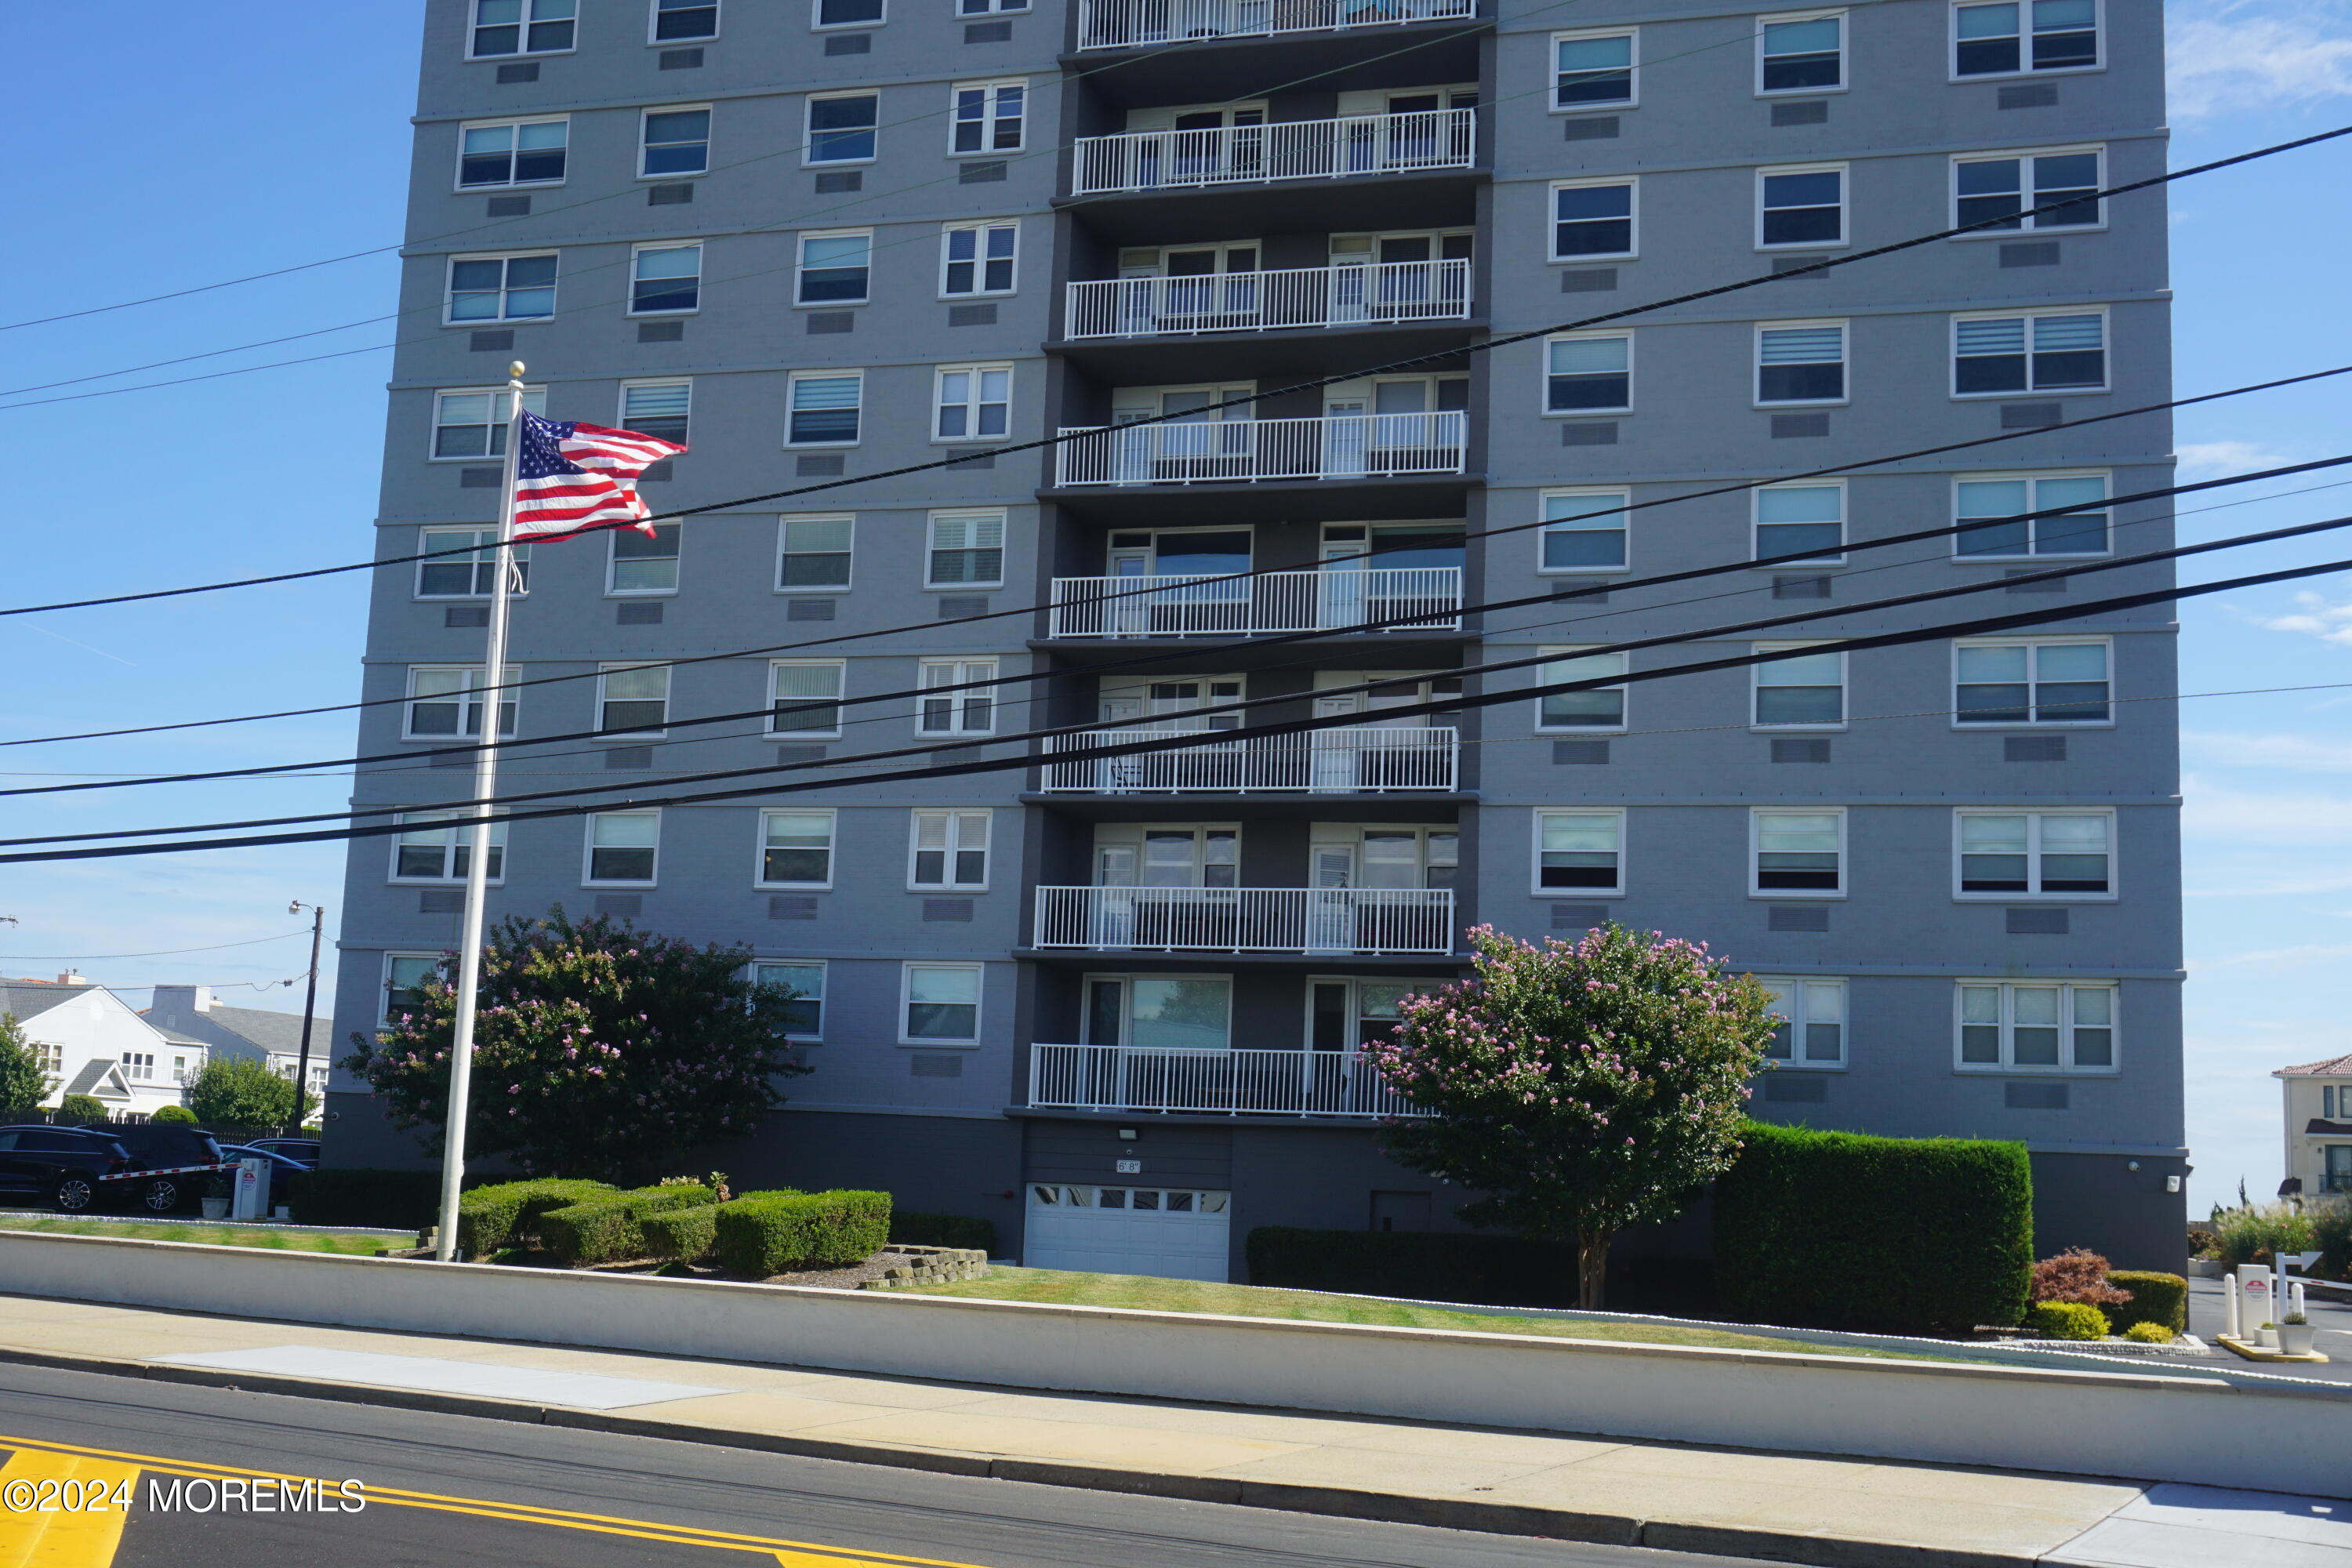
x: 177, y: 180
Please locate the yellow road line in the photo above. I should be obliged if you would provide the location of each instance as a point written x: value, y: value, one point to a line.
x: 75, y: 1537
x: 791, y: 1554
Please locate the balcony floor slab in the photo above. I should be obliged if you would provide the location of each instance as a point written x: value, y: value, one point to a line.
x: 1301, y: 805
x: 1188, y: 960
x: 1274, y: 1119
x: 1297, y: 353
x: 1267, y: 500
x: 1340, y: 59
x: 1445, y: 198
x: 1216, y: 656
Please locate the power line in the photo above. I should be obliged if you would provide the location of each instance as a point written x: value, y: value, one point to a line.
x: 167, y: 952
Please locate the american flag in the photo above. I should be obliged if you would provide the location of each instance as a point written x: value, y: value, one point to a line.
x: 568, y: 475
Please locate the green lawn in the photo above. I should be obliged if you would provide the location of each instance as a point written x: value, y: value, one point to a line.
x: 1151, y: 1294
x: 359, y: 1244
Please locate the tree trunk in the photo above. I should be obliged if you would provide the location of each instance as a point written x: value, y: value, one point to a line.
x: 1592, y: 1267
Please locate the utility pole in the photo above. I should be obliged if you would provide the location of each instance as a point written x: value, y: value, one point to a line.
x: 309, y: 1000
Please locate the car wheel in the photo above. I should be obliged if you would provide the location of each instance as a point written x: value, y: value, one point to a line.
x: 160, y: 1196
x: 75, y: 1193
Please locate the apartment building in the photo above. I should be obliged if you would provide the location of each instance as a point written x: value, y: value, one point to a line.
x: 1112, y: 1003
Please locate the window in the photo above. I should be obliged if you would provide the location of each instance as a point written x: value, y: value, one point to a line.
x: 2021, y: 1028
x: 1584, y: 711
x: 2031, y: 683
x: 405, y: 977
x: 948, y: 849
x: 1803, y: 521
x: 967, y: 550
x: 1592, y: 70
x: 644, y: 563
x: 659, y: 409
x: 823, y: 409
x: 1800, y: 207
x: 977, y: 258
x: 1801, y: 690
x: 1799, y: 854
x: 833, y: 267
x: 676, y: 142
x: 664, y: 278
x: 1801, y: 54
x: 1812, y: 1023
x: 1993, y: 40
x: 466, y: 576
x: 1589, y: 374
x: 1592, y: 218
x: 474, y: 423
x: 675, y: 20
x: 622, y: 846
x: 512, y: 152
x: 1797, y: 364
x: 974, y: 402
x: 987, y: 117
x: 806, y: 696
x: 942, y: 1004
x: 139, y: 1064
x: 1584, y: 531
x: 804, y: 1014
x: 841, y: 130
x: 633, y: 699
x: 796, y: 849
x: 2038, y: 351
x: 431, y: 851
x: 2024, y: 854
x: 522, y: 27
x: 1583, y: 850
x: 501, y: 289
x: 989, y: 7
x: 813, y: 553
x: 971, y: 713
x: 2006, y: 186
x: 445, y: 702
x: 2075, y: 533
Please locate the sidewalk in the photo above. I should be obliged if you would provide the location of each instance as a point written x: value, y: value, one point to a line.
x: 1838, y: 1513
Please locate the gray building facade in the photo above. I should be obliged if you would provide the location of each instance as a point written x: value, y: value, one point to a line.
x: 1112, y: 1004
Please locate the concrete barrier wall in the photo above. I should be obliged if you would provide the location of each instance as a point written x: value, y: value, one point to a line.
x: 2280, y: 1438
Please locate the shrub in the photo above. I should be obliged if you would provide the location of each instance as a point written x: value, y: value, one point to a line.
x: 2075, y: 1275
x: 2148, y: 1334
x: 23, y: 1084
x: 2067, y: 1321
x: 2204, y: 1241
x: 1423, y: 1266
x: 2161, y: 1299
x: 489, y: 1217
x: 80, y: 1108
x: 769, y: 1233
x: 1838, y: 1230
x: 942, y: 1230
x: 239, y: 1091
x: 175, y: 1116
x: 684, y: 1234
x: 389, y: 1200
x: 2263, y: 1231
x: 609, y: 1227
x: 2331, y: 1232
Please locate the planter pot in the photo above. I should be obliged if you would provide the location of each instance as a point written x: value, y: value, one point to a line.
x: 2207, y: 1268
x: 2295, y: 1339
x: 215, y: 1208
x: 2267, y: 1336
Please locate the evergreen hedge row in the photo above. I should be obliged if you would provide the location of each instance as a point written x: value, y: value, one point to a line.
x: 685, y: 1233
x: 610, y: 1226
x: 942, y: 1230
x: 1426, y: 1266
x: 2161, y: 1299
x: 491, y: 1217
x: 388, y: 1200
x: 768, y: 1233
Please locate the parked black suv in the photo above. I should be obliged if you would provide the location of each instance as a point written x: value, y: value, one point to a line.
x: 62, y: 1165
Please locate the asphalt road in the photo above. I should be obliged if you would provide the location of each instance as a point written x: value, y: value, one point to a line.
x: 455, y: 1489
x: 2332, y: 1318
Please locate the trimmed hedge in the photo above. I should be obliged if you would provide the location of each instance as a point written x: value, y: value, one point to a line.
x: 2066, y: 1321
x: 943, y: 1230
x: 491, y: 1217
x: 389, y: 1200
x: 1426, y: 1266
x: 610, y: 1228
x: 1900, y: 1236
x: 684, y: 1234
x: 769, y: 1233
x: 2159, y: 1298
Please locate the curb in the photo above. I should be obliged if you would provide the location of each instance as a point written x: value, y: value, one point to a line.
x: 1337, y: 1502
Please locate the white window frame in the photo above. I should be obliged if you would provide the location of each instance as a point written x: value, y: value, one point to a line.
x: 588, y: 878
x: 956, y: 815
x: 653, y: 21
x: 841, y: 691
x: 523, y: 40
x: 792, y: 383
x: 1795, y: 987
x: 783, y: 550
x: 635, y: 251
x: 940, y: 406
x: 2034, y: 817
x: 1625, y: 499
x: 965, y: 8
x: 801, y: 268
x: 621, y: 416
x: 980, y: 228
x: 449, y: 317
x: 534, y: 399
x: 1543, y: 374
x: 817, y: 24
x: 1844, y: 362
x: 2030, y: 228
x: 2033, y: 684
x: 1756, y: 889
x: 632, y: 737
x: 959, y: 704
x: 759, y: 878
x: 613, y: 562
x: 468, y: 697
x: 514, y: 124
x: 2008, y: 1066
x: 823, y: 983
x: 1536, y: 853
x: 440, y: 536
x: 2028, y: 315
x: 993, y: 89
x: 1844, y: 171
x: 1756, y: 523
x: 455, y: 840
x: 383, y: 988
x: 979, y: 1004
x: 2025, y: 66
x: 931, y: 546
x: 1756, y: 680
x: 2034, y: 480
x: 1633, y: 99
x: 808, y: 122
x: 1546, y: 673
x: 1845, y: 52
x: 709, y: 135
x: 1633, y: 183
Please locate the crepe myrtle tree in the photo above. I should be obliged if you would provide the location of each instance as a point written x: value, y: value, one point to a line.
x: 1578, y: 1087
x: 598, y: 1049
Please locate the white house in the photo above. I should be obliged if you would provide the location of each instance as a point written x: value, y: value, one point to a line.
x: 2318, y: 1108
x: 273, y: 1038
x: 91, y: 1042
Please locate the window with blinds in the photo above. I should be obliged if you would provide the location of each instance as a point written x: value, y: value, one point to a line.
x: 950, y: 849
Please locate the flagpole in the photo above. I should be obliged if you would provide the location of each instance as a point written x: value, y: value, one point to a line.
x: 477, y: 865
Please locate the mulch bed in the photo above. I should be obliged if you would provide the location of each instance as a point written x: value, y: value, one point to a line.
x: 848, y: 1278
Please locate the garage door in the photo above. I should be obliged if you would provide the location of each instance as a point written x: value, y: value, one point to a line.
x: 1177, y: 1234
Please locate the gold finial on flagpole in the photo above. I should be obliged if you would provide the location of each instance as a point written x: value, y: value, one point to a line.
x: 514, y: 371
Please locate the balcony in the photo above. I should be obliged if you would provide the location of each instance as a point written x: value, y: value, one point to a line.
x: 1326, y: 446
x: 1246, y: 607
x: 1139, y: 161
x: 1288, y: 298
x: 1136, y: 24
x: 1210, y: 1083
x: 1377, y: 920
x: 1355, y: 761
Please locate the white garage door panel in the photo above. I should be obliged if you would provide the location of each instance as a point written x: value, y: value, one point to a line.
x: 1072, y: 1228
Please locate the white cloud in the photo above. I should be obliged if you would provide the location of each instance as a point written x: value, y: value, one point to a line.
x: 2313, y: 616
x: 2227, y: 59
x: 2298, y: 820
x: 2217, y: 459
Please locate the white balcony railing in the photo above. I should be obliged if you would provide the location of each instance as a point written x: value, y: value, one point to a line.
x: 1430, y: 596
x: 1248, y: 919
x: 1128, y: 24
x: 1337, y: 149
x: 1353, y: 761
x: 1291, y: 297
x: 1329, y: 447
x: 1211, y: 1082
